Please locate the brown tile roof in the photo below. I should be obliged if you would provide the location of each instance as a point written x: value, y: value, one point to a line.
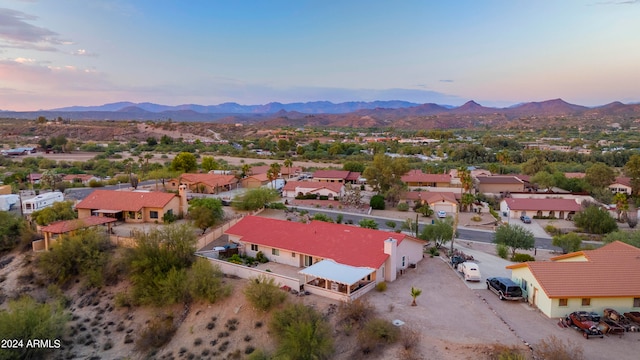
x: 419, y: 176
x: 429, y: 196
x: 66, y: 226
x: 211, y: 180
x: 610, y: 271
x: 499, y: 180
x: 349, y: 245
x: 543, y: 204
x: 259, y: 169
x: 336, y: 174
x: 260, y: 177
x: 124, y: 200
x: 623, y: 180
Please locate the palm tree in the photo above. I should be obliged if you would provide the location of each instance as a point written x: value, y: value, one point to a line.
x: 415, y: 292
x: 288, y: 163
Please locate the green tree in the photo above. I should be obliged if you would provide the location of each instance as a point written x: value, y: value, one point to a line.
x: 184, y: 162
x: 595, y: 220
x: 355, y: 166
x: 206, y: 281
x: 254, y: 199
x: 425, y: 210
x: 288, y: 163
x: 544, y: 180
x: 514, y: 237
x: 632, y: 170
x: 466, y: 201
x: 440, y: 232
x: 162, y: 175
x: 209, y: 163
x: 622, y: 205
x: 377, y: 202
x: 27, y: 319
x: 599, y: 175
x: 202, y: 218
x: 385, y: 171
x: 61, y: 210
x: 263, y: 293
x: 273, y: 172
x: 368, y: 224
x: 534, y: 165
x: 415, y: 292
x: 50, y: 179
x: 569, y: 242
x: 629, y: 237
x: 11, y: 229
x: 302, y: 333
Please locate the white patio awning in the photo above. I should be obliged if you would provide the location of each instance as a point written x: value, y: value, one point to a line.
x: 331, y: 270
x: 104, y: 211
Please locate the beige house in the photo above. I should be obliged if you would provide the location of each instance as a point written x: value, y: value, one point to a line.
x: 621, y: 185
x: 338, y: 176
x: 83, y: 179
x: 255, y: 181
x: 438, y: 201
x: 132, y: 206
x: 204, y: 183
x: 336, y: 260
x: 296, y: 188
x: 540, y: 208
x: 499, y: 184
x: 589, y: 280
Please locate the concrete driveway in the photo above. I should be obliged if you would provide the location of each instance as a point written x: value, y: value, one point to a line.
x: 488, y: 264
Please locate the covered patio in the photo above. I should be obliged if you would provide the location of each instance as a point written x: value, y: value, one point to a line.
x: 338, y: 281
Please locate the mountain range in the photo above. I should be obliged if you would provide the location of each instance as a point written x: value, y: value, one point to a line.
x: 401, y: 114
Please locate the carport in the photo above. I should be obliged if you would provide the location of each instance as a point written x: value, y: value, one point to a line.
x: 342, y: 281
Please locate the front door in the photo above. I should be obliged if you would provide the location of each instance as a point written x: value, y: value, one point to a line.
x: 308, y: 260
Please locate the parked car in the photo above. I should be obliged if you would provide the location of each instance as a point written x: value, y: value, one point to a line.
x: 585, y: 322
x: 505, y: 288
x: 457, y: 259
x: 525, y: 219
x: 470, y: 271
x: 442, y: 214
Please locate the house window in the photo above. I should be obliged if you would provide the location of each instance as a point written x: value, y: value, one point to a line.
x: 403, y: 261
x: 293, y: 254
x: 275, y: 252
x: 564, y: 302
x: 636, y: 302
x: 586, y: 302
x: 153, y: 214
x: 254, y: 247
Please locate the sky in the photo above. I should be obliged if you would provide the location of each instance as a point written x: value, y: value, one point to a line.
x: 57, y: 53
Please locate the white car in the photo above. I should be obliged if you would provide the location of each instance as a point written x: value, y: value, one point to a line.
x: 442, y: 214
x: 470, y: 271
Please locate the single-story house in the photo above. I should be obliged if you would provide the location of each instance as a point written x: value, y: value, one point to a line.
x: 622, y: 184
x: 438, y: 201
x: 204, y: 183
x: 497, y: 184
x: 334, y: 258
x: 339, y: 176
x: 255, y: 181
x: 549, y: 208
x: 285, y: 172
x: 54, y: 230
x: 34, y: 178
x: 133, y: 206
x: 416, y: 178
x: 295, y: 188
x: 80, y: 178
x: 589, y: 280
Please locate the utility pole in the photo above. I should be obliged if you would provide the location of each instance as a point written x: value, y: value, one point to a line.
x: 455, y: 226
x: 416, y: 225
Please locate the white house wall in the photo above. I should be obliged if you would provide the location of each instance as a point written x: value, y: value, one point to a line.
x: 412, y: 250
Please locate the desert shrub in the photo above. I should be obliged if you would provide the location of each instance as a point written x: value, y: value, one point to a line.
x: 302, y: 333
x: 277, y: 206
x: 569, y: 242
x: 169, y: 218
x: 339, y: 218
x: 476, y: 218
x: 503, y: 352
x: 391, y: 224
x: 377, y: 202
x: 403, y: 207
x: 205, y: 281
x: 84, y: 253
x: 433, y: 251
x: 376, y: 334
x: 410, y: 338
x: 553, y: 348
x: 502, y: 250
x: 355, y: 312
x: 11, y: 226
x: 27, y: 319
x: 632, y: 221
x: 322, y: 217
x: 158, y: 332
x: 518, y: 257
x: 122, y: 299
x: 258, y: 355
x: 552, y: 230
x: 323, y: 197
x: 261, y: 258
x: 263, y: 293
x: 381, y: 286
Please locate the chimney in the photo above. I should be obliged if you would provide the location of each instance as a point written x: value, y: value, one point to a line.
x: 390, y: 266
x: 182, y: 193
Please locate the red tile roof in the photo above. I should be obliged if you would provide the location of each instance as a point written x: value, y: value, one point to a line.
x: 311, y: 186
x: 259, y: 169
x: 610, y: 271
x: 349, y: 245
x: 419, y: 176
x: 623, y: 180
x: 61, y: 227
x: 498, y: 180
x: 124, y: 200
x: 260, y: 177
x: 543, y: 204
x: 211, y: 180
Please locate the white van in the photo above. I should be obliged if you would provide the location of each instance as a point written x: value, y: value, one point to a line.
x: 470, y: 271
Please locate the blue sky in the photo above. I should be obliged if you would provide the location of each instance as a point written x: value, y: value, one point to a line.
x: 498, y: 53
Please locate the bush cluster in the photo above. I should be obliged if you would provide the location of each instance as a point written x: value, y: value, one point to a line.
x: 403, y: 207
x: 302, y: 333
x: 263, y: 293
x: 518, y: 257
